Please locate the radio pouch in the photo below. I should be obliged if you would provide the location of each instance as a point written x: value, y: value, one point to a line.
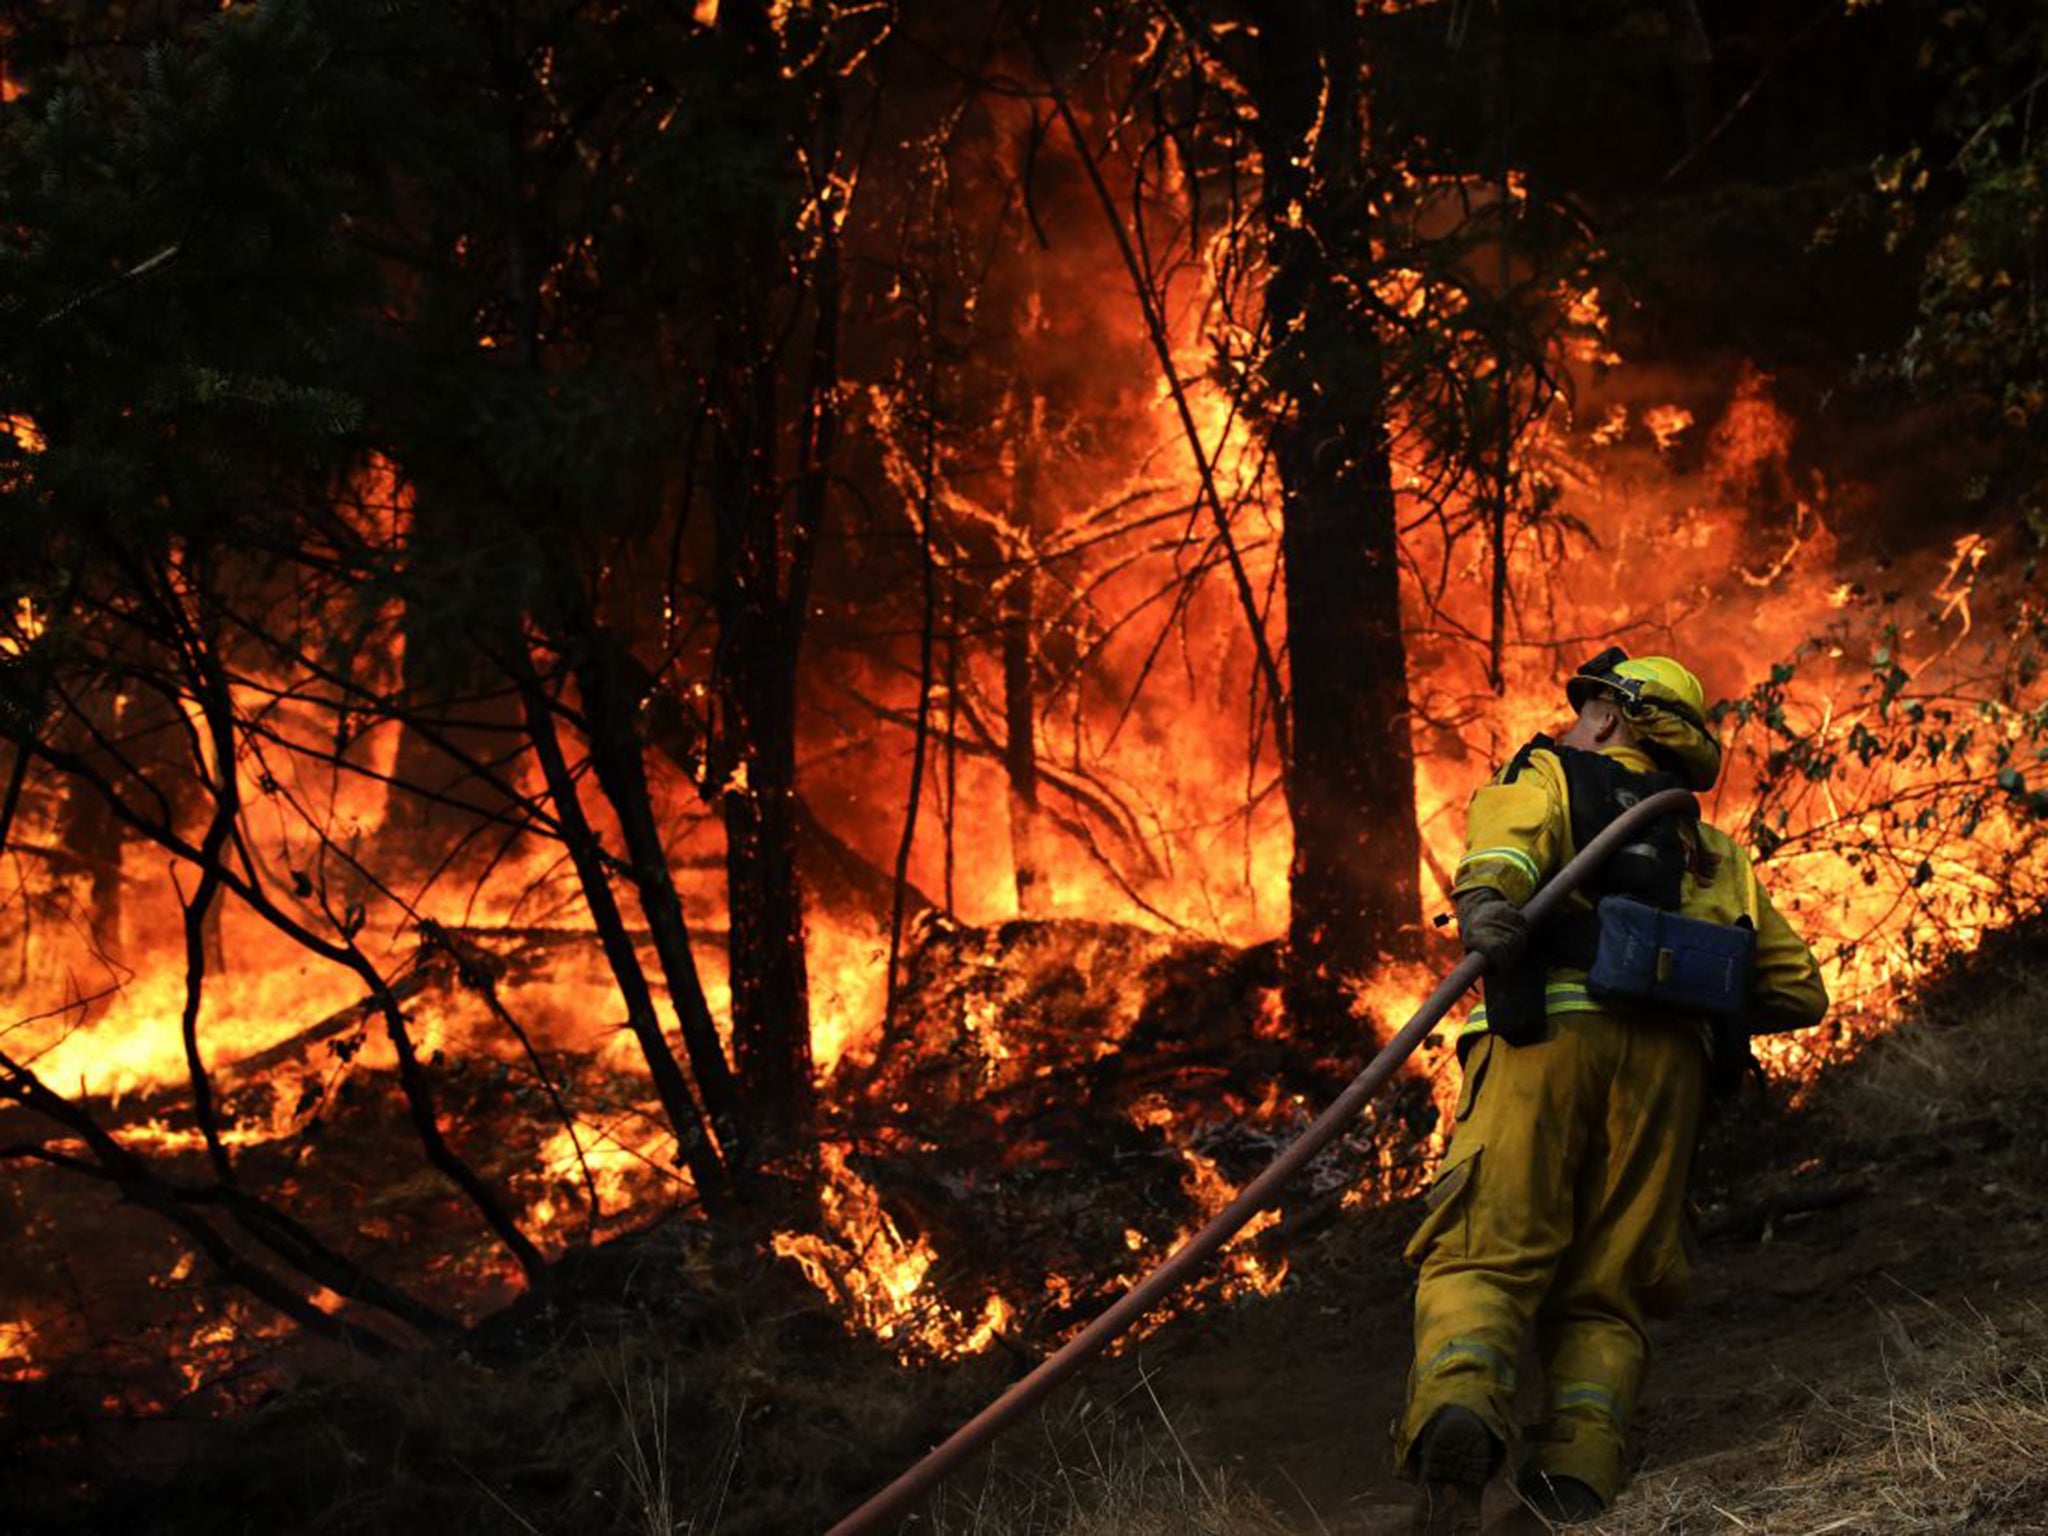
x: 1651, y: 955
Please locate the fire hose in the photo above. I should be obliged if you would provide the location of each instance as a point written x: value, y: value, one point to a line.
x: 895, y: 1500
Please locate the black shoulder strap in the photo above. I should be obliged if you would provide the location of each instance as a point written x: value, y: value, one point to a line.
x: 1652, y: 868
x: 1537, y: 743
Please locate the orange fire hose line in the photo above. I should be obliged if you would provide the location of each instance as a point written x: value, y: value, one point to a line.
x: 895, y: 1500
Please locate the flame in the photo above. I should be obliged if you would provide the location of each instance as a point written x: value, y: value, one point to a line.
x: 1664, y: 515
x: 18, y: 1361
x: 1244, y: 1271
x: 593, y: 1177
x: 28, y: 627
x: 1666, y: 423
x: 861, y: 1258
x: 1953, y: 591
x: 27, y: 436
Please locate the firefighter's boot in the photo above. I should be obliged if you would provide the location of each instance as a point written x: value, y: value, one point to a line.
x: 1455, y: 1456
x: 1560, y: 1500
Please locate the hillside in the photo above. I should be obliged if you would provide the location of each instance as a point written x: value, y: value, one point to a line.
x: 1866, y: 1351
x: 1866, y: 1348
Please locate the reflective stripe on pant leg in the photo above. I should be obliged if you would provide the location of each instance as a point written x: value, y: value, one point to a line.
x: 1574, y: 1396
x: 1482, y: 1355
x: 1584, y: 1437
x: 1468, y: 1325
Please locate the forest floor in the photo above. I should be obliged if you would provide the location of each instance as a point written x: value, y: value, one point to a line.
x: 1865, y: 1350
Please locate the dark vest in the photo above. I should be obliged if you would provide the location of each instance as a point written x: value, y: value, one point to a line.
x: 1651, y: 869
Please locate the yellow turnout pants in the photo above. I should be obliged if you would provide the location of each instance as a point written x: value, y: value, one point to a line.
x: 1561, y: 1204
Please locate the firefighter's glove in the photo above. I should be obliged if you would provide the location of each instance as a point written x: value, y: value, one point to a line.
x: 1494, y: 927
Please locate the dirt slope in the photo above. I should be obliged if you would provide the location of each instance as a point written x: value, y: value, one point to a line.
x: 1897, y: 1219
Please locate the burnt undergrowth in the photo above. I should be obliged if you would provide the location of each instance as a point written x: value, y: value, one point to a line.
x: 683, y: 1377
x: 1074, y: 1093
x: 1053, y: 1105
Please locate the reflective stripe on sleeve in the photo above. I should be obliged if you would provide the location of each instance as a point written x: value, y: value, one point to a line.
x: 1513, y: 857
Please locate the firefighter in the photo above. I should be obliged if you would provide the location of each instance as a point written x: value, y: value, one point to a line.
x: 1560, y: 1207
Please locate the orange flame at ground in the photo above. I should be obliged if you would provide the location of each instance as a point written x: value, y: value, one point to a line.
x: 878, y: 1276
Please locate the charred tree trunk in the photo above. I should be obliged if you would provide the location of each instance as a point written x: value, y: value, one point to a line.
x: 1352, y: 781
x: 766, y: 530
x: 1020, y: 744
x: 610, y: 708
x: 694, y: 1144
x: 927, y: 635
x: 758, y: 642
x: 92, y: 835
x: 90, y: 830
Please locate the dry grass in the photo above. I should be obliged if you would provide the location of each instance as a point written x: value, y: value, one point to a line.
x: 1971, y: 1046
x: 1943, y: 1425
x: 700, y: 1392
x: 1948, y: 1433
x: 1116, y: 1469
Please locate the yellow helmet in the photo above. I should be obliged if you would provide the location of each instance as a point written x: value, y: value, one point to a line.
x: 1665, y: 705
